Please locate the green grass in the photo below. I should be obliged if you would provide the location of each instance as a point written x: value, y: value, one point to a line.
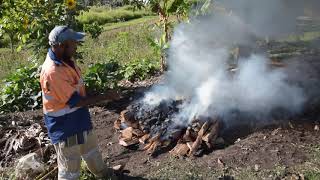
x: 307, y: 36
x: 9, y: 61
x: 123, y: 42
x: 104, y: 14
x: 144, y: 20
x: 123, y: 45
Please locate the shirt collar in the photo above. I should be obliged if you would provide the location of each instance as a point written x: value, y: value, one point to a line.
x: 53, y: 57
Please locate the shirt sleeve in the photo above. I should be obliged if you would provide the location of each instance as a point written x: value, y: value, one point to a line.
x: 61, y: 87
x: 74, y: 99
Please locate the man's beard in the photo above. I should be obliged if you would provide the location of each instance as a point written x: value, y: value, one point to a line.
x: 66, y: 57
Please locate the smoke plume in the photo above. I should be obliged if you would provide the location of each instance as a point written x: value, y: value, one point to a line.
x: 199, y: 61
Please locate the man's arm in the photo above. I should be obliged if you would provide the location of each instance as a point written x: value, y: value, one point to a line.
x: 77, y: 101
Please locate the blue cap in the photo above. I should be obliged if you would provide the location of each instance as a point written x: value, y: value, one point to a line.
x: 59, y: 34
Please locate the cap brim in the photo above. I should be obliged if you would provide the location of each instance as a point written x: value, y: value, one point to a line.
x: 78, y: 36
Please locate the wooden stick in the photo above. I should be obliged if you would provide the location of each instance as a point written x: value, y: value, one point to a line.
x: 49, y: 173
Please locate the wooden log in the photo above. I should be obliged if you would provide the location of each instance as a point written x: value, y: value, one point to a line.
x: 127, y: 133
x: 212, y: 133
x: 127, y: 115
x: 154, y: 147
x: 144, y: 138
x: 189, y: 144
x: 117, y: 124
x: 147, y: 146
x: 126, y: 143
x: 204, y: 129
x: 134, y: 125
x: 180, y: 150
x: 198, y: 141
x: 137, y: 132
x: 151, y: 141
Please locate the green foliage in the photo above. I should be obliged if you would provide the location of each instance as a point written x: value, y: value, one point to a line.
x: 139, y: 69
x: 85, y: 174
x: 312, y: 174
x: 103, y: 15
x: 4, y: 41
x: 94, y: 29
x: 202, y: 8
x: 31, y: 21
x: 102, y: 76
x: 159, y: 45
x: 121, y: 45
x: 21, y: 90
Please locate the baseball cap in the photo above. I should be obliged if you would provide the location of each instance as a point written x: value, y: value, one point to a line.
x: 59, y: 34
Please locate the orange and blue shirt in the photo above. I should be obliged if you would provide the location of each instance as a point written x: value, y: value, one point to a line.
x: 62, y: 88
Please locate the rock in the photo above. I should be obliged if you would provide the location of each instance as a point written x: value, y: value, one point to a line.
x: 29, y: 166
x: 220, y: 162
x: 256, y: 167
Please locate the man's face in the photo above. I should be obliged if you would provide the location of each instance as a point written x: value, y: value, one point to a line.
x: 69, y: 49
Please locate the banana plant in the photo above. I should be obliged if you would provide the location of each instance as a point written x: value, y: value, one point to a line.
x: 165, y: 9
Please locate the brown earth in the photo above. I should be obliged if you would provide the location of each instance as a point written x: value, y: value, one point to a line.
x: 287, y: 149
x: 266, y: 148
x: 263, y: 150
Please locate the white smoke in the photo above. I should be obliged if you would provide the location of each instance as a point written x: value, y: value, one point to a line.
x: 198, y: 60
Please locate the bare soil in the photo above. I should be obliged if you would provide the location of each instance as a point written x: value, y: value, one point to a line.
x: 281, y: 149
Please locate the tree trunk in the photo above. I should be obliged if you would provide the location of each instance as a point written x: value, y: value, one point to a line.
x: 11, y: 37
x: 164, y: 66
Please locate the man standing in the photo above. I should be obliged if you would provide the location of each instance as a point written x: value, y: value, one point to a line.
x: 64, y: 104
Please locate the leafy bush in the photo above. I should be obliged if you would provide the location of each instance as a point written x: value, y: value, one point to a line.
x: 21, y: 90
x: 139, y: 69
x: 103, y: 15
x: 94, y: 29
x: 102, y: 76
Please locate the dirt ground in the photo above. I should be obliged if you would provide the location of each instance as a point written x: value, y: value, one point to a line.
x: 283, y: 149
x: 291, y: 149
x: 260, y: 152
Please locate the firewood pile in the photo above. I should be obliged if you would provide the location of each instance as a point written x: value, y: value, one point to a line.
x: 155, y: 130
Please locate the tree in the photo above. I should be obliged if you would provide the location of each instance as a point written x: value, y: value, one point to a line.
x: 31, y: 21
x: 179, y: 8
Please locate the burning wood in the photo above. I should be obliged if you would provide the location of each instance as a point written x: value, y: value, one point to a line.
x: 154, y: 128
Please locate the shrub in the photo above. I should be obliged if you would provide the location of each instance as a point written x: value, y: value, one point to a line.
x: 94, y: 29
x: 139, y: 69
x: 102, y: 76
x: 21, y: 90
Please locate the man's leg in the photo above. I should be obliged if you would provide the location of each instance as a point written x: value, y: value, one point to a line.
x: 68, y: 161
x: 93, y: 158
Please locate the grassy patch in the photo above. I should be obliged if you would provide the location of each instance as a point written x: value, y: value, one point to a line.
x: 134, y: 22
x: 9, y: 61
x: 85, y: 174
x: 174, y: 168
x: 307, y: 36
x: 121, y: 45
x: 312, y: 175
x: 125, y: 43
x: 104, y: 14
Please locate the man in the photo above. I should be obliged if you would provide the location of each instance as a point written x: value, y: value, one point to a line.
x: 64, y: 104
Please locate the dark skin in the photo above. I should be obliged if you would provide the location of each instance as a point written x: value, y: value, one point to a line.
x: 65, y: 51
